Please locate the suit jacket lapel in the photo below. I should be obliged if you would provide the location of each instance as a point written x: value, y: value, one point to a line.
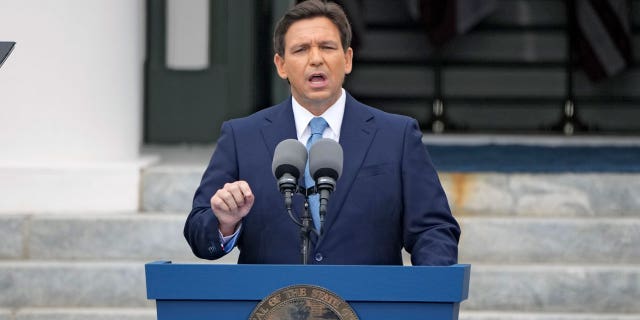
x: 279, y: 125
x: 357, y: 133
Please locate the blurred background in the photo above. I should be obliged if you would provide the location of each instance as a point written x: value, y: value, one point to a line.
x: 110, y: 109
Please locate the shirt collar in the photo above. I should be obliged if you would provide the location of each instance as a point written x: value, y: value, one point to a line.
x: 333, y: 115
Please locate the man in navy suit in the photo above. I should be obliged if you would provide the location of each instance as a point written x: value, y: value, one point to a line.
x: 388, y: 197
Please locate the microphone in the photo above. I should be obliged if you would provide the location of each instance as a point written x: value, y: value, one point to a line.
x: 325, y: 166
x: 289, y: 160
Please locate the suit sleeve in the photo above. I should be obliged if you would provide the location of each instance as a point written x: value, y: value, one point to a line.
x: 201, y: 227
x: 431, y: 233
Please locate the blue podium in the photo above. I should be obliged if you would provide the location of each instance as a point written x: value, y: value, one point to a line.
x: 211, y: 291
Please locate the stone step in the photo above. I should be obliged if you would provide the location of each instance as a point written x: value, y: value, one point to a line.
x: 140, y: 237
x: 82, y: 314
x: 150, y: 314
x: 549, y: 240
x: 560, y: 288
x: 12, y: 238
x: 492, y: 315
x: 150, y: 237
x: 127, y: 236
x: 550, y: 195
x: 502, y: 288
x: 170, y: 188
x: 72, y: 284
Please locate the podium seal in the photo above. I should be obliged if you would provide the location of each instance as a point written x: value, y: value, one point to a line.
x: 303, y: 302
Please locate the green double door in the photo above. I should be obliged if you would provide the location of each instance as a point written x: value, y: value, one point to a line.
x: 188, y: 106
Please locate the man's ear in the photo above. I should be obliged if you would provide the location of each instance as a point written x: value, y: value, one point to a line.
x: 348, y: 60
x: 279, y: 62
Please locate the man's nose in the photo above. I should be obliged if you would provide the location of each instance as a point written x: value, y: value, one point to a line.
x: 315, y: 56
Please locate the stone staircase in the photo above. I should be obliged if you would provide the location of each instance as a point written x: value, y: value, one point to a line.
x: 543, y: 247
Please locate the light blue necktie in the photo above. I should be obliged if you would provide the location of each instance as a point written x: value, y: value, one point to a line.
x: 317, y: 124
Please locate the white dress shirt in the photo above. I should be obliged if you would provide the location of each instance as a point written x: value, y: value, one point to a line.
x: 333, y: 116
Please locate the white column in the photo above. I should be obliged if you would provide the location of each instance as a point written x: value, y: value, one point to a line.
x: 71, y: 105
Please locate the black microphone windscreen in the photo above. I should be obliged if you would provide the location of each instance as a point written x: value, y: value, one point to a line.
x: 325, y: 159
x: 290, y: 157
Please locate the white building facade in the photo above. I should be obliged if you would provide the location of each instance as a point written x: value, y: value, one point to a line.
x: 71, y: 101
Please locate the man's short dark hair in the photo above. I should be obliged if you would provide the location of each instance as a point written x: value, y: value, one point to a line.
x: 312, y: 9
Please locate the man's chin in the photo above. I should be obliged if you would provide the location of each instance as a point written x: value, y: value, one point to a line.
x: 322, y: 95
x: 324, y: 100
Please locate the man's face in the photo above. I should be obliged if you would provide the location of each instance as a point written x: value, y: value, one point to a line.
x: 314, y: 62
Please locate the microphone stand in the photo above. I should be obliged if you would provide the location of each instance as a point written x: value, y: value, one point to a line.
x: 306, y: 227
x: 304, y: 231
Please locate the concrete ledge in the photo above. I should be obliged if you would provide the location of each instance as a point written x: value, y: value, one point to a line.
x: 572, y: 195
x: 170, y: 188
x: 12, y: 236
x: 554, y: 289
x: 71, y: 187
x: 141, y: 237
x: 133, y: 236
x: 545, y: 316
x: 150, y: 314
x: 82, y: 314
x: 62, y: 284
x: 6, y: 314
x: 550, y: 240
x: 150, y: 237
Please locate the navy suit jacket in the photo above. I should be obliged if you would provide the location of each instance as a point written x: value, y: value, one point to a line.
x: 388, y: 197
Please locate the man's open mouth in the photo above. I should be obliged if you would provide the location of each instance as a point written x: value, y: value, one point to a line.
x: 318, y: 79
